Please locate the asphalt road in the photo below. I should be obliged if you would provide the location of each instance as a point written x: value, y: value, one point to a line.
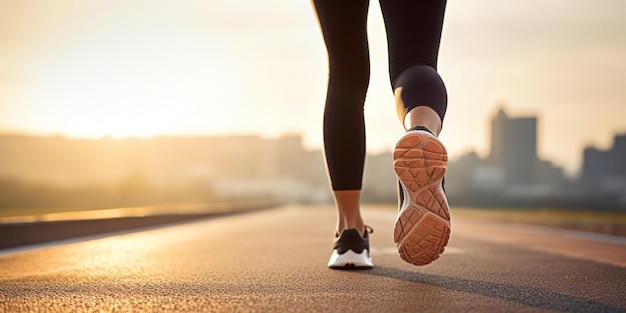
x: 275, y: 261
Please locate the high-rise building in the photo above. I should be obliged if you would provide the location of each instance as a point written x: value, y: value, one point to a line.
x: 601, y: 164
x: 514, y: 147
x: 498, y: 137
x: 604, y: 175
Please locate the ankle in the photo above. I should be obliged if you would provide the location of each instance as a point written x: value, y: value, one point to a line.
x: 356, y: 223
x: 348, y: 210
x: 424, y: 116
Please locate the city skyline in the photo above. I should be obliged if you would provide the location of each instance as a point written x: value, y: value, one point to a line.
x: 569, y: 172
x: 45, y: 171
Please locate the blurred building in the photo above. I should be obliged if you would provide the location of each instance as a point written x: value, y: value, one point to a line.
x: 604, y: 173
x: 514, y: 148
x: 228, y: 166
x: 600, y: 164
x: 512, y: 174
x: 379, y: 179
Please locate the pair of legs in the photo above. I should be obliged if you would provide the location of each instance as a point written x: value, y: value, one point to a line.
x: 413, y: 35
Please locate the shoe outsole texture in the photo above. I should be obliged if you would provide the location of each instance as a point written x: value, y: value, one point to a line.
x: 350, y: 260
x: 422, y: 229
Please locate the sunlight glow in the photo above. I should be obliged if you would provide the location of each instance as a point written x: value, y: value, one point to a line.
x: 134, y: 85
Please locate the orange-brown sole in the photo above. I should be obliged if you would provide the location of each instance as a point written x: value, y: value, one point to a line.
x: 422, y: 229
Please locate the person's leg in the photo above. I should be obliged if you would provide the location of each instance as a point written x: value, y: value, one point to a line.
x: 424, y: 116
x: 344, y: 27
x: 413, y: 33
x: 348, y: 210
x: 422, y: 228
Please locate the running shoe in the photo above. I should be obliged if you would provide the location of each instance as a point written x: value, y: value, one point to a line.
x: 351, y: 250
x: 422, y: 228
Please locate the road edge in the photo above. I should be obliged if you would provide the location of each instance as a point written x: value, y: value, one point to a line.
x: 14, y: 235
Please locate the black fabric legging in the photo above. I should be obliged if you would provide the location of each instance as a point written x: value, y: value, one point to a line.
x: 413, y: 36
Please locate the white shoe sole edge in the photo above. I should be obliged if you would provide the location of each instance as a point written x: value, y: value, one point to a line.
x: 350, y: 259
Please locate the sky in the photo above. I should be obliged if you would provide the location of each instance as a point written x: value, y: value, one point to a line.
x: 118, y: 68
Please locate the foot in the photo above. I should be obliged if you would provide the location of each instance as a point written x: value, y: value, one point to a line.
x: 422, y: 228
x: 351, y: 250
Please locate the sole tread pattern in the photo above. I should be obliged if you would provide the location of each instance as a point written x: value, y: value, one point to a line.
x: 422, y: 229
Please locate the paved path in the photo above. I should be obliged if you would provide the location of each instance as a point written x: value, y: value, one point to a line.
x: 274, y: 261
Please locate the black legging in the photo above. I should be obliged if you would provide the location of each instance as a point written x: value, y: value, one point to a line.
x: 413, y: 35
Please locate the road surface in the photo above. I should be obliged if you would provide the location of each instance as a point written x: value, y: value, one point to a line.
x: 275, y: 261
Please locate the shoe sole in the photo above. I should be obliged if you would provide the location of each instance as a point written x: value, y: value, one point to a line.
x: 422, y: 229
x: 350, y: 260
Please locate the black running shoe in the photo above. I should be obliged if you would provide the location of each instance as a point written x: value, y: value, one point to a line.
x: 422, y: 228
x: 351, y: 250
